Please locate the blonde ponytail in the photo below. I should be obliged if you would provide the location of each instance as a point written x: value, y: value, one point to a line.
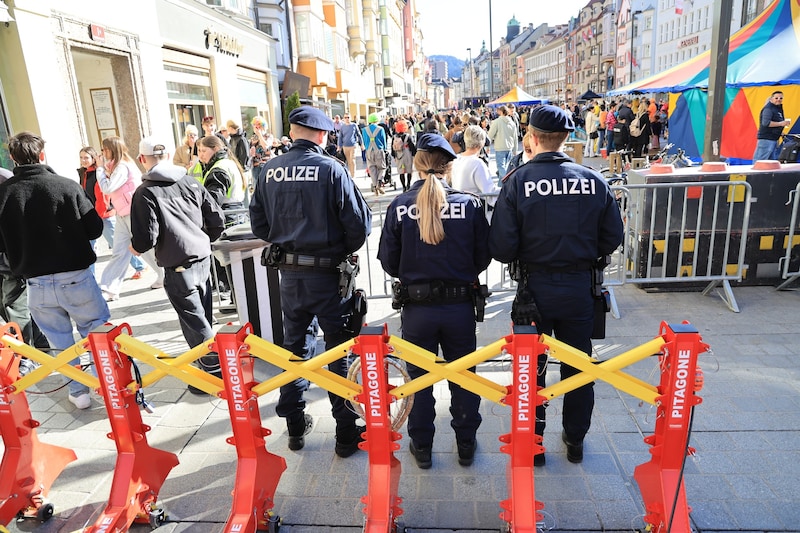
x: 432, y: 196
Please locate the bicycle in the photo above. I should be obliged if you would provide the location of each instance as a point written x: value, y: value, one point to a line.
x: 678, y: 159
x: 659, y: 157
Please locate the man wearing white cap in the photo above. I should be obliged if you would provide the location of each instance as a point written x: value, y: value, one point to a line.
x: 176, y: 216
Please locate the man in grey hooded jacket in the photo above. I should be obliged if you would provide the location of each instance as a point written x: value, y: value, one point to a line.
x: 174, y: 214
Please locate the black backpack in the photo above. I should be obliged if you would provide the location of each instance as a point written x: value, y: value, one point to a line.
x: 789, y: 149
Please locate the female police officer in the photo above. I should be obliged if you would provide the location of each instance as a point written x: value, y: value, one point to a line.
x: 435, y: 240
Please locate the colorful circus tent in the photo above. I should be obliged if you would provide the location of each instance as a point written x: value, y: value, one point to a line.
x: 518, y: 96
x: 762, y: 57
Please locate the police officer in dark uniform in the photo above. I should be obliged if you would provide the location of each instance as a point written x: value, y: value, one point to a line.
x: 306, y: 205
x: 435, y: 240
x: 555, y: 218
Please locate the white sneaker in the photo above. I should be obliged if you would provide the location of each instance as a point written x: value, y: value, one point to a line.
x: 157, y: 284
x: 82, y: 401
x: 110, y: 296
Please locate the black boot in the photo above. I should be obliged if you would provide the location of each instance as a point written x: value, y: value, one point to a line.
x: 574, y: 448
x: 348, y: 438
x: 466, y: 452
x: 298, y: 427
x: 422, y: 455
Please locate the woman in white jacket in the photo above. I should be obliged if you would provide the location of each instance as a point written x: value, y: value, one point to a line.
x: 470, y: 173
x: 118, y: 176
x: 592, y: 124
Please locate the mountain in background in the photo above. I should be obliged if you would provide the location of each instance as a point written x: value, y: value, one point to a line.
x: 454, y: 65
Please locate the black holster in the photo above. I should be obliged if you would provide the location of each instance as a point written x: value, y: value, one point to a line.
x: 355, y: 321
x: 479, y: 296
x: 272, y: 255
x: 601, y: 296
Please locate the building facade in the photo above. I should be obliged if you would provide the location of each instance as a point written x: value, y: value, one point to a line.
x: 77, y: 72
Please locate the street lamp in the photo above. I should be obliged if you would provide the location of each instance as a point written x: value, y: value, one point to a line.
x: 491, y: 55
x: 558, y: 75
x: 471, y: 75
x: 597, y: 37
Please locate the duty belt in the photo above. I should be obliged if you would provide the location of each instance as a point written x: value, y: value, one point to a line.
x: 433, y: 292
x: 308, y: 261
x: 575, y: 267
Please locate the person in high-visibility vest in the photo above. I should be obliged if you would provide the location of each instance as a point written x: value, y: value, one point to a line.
x: 222, y: 174
x: 223, y: 177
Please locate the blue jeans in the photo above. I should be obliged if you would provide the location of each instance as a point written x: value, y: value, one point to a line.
x: 56, y: 300
x: 502, y: 158
x: 766, y: 149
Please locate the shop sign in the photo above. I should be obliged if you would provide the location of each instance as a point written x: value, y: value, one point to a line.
x: 691, y: 41
x: 97, y: 33
x: 224, y: 43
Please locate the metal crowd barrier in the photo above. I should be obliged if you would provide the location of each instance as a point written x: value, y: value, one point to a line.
x: 790, y: 263
x: 689, y: 232
x: 674, y: 233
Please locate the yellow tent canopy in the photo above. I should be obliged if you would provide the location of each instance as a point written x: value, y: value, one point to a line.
x: 518, y: 96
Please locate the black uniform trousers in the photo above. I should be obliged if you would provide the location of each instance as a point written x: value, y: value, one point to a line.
x: 305, y: 295
x: 566, y: 305
x: 451, y: 326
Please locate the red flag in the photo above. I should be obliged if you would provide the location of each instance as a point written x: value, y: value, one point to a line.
x: 678, y: 7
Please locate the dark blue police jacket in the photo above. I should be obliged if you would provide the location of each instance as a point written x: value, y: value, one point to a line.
x: 458, y: 259
x: 555, y: 213
x: 306, y: 202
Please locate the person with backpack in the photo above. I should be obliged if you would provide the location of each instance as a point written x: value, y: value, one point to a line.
x: 374, y: 138
x: 403, y: 151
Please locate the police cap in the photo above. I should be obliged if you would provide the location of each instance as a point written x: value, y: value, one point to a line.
x: 431, y: 142
x: 311, y: 117
x: 551, y: 119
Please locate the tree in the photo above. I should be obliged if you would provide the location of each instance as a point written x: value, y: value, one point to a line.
x: 292, y: 103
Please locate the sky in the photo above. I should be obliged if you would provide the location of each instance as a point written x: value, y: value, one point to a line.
x: 449, y: 27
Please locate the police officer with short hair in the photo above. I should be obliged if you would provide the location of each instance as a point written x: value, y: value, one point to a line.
x: 435, y: 240
x: 556, y: 218
x: 306, y: 205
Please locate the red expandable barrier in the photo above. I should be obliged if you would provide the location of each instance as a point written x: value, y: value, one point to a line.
x: 140, y: 470
x: 382, y: 501
x: 257, y: 470
x: 29, y: 467
x: 660, y: 480
x: 522, y: 443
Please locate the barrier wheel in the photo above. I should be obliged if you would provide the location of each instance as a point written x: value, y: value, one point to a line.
x: 157, y: 517
x: 45, y: 512
x: 273, y: 524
